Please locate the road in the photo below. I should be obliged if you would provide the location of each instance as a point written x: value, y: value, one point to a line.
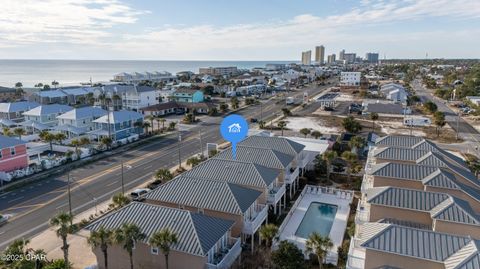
x: 33, y: 205
x: 465, y: 131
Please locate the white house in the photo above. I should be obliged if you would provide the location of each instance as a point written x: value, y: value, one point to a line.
x: 394, y: 92
x: 79, y: 121
x: 46, y: 114
x: 137, y: 97
x: 350, y: 78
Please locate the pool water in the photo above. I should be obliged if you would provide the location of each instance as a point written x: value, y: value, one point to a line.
x: 318, y: 218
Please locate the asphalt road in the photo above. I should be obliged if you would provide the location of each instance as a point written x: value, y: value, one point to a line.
x: 33, y: 205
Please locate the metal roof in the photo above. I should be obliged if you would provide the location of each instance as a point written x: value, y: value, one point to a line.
x: 233, y: 171
x: 6, y: 142
x: 406, y: 198
x: 82, y: 113
x: 406, y: 223
x: 466, y: 258
x: 266, y: 157
x: 398, y: 141
x: 456, y: 210
x: 204, y: 193
x: 403, y: 171
x: 436, y: 160
x: 48, y: 109
x: 283, y: 145
x: 400, y: 154
x: 196, y: 233
x: 120, y: 116
x: 441, y: 179
x: 416, y: 243
x: 51, y: 94
x: 17, y: 106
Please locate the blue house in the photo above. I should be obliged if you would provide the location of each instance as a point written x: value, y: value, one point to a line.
x: 188, y: 95
x: 119, y: 124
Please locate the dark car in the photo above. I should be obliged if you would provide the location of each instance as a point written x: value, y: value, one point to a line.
x: 253, y: 120
x: 328, y: 108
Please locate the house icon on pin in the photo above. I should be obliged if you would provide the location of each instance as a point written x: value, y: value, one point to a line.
x: 234, y: 128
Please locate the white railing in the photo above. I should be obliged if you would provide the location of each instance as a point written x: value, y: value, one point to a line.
x: 362, y: 214
x: 292, y: 209
x: 290, y: 177
x: 251, y: 226
x: 356, y: 256
x: 227, y: 256
x: 275, y: 194
x: 367, y: 183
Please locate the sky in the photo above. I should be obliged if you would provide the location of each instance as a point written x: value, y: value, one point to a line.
x: 236, y: 30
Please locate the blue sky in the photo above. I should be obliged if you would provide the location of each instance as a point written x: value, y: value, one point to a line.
x: 236, y: 30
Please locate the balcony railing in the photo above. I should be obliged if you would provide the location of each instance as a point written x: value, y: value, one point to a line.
x: 290, y: 176
x: 259, y: 215
x: 275, y: 194
x: 226, y: 257
x: 363, y: 213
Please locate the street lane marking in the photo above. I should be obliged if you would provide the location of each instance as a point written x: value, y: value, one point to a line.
x: 25, y: 206
x: 16, y: 199
x: 113, y: 183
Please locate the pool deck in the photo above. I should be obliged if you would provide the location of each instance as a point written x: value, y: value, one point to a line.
x: 310, y: 194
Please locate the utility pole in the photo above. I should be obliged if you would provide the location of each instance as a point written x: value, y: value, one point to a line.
x: 179, y: 146
x: 69, y: 199
x: 123, y: 186
x: 201, y: 143
x: 458, y: 130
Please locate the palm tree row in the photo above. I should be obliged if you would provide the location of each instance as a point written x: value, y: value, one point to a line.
x: 49, y: 137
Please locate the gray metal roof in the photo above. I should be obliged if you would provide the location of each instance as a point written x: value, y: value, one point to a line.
x: 466, y: 258
x: 262, y: 156
x: 281, y: 144
x: 6, y: 142
x: 436, y: 160
x: 82, y: 113
x: 237, y: 172
x: 416, y: 243
x: 406, y: 198
x: 472, y: 262
x: 204, y: 193
x: 406, y: 223
x: 196, y: 233
x: 17, y: 106
x: 398, y: 141
x: 120, y: 116
x: 400, y: 154
x: 441, y: 179
x: 48, y: 109
x: 456, y: 210
x: 403, y: 171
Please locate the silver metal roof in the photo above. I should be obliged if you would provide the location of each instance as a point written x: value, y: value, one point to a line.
x: 416, y: 243
x: 281, y: 144
x: 196, y: 233
x: 402, y: 171
x: 398, y: 141
x: 233, y: 171
x: 262, y: 156
x: 400, y: 154
x: 406, y: 198
x: 204, y: 193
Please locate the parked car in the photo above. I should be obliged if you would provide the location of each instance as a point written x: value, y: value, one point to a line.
x: 328, y: 108
x: 253, y: 120
x: 138, y: 194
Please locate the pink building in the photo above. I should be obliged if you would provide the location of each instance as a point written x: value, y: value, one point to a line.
x: 13, y: 154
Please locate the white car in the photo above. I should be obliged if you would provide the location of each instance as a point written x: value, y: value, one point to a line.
x: 137, y: 195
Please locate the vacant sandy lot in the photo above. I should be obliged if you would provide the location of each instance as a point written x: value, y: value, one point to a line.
x: 312, y: 123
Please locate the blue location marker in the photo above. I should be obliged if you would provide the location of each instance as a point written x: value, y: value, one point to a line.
x: 234, y: 129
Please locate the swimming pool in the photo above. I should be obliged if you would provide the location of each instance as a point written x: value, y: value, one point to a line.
x: 318, y: 218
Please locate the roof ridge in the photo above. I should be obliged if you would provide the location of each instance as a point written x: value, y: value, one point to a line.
x: 195, y: 231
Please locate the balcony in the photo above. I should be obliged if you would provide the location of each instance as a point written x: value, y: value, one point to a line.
x: 363, y: 213
x: 291, y: 176
x: 251, y: 225
x: 367, y: 183
x: 224, y: 258
x: 275, y: 194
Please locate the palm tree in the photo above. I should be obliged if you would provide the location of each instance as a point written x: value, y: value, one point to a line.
x: 172, y: 125
x: 106, y: 141
x: 329, y: 156
x: 60, y: 137
x: 316, y: 134
x: 268, y: 232
x: 194, y: 161
x: 373, y: 117
x: 164, y: 239
x: 146, y: 125
x: 48, y: 138
x: 119, y: 200
x: 84, y: 141
x: 158, y: 120
x: 355, y: 143
x: 150, y: 118
x: 319, y: 245
x: 163, y: 174
x: 6, y: 131
x: 63, y: 222
x: 350, y: 158
x: 101, y: 238
x: 76, y: 143
x: 138, y: 125
x: 19, y: 132
x: 162, y: 120
x: 281, y: 124
x: 127, y: 236
x: 305, y: 131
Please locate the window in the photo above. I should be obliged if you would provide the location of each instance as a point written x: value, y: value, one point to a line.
x: 154, y: 250
x: 12, y: 151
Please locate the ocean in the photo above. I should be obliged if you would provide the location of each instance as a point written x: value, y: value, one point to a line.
x: 74, y: 72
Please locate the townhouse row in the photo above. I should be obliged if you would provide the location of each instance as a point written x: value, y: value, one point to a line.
x: 419, y: 208
x: 215, y: 207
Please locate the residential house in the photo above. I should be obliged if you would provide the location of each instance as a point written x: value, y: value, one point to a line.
x: 79, y: 121
x: 77, y: 95
x: 394, y: 92
x: 49, y: 97
x: 14, y: 111
x: 173, y: 107
x: 45, y: 114
x: 188, y: 95
x: 246, y: 174
x: 13, y: 154
x: 138, y: 97
x: 118, y: 125
x: 350, y: 79
x: 136, y: 77
x: 202, y: 241
x: 214, y: 198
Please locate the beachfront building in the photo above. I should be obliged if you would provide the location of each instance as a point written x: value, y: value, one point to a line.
x: 13, y: 154
x: 49, y: 97
x: 188, y: 95
x: 118, y: 125
x: 13, y: 111
x: 136, y: 97
x: 8, y: 94
x: 203, y: 241
x: 78, y: 121
x: 77, y: 95
x: 218, y: 71
x: 214, y: 198
x: 44, y: 116
x: 136, y: 77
